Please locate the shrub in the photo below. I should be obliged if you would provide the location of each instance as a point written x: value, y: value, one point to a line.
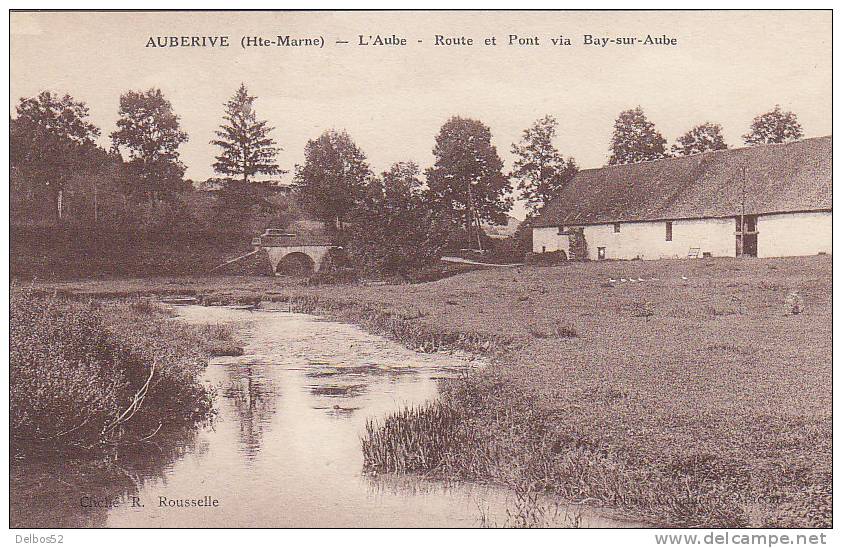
x: 338, y: 275
x: 507, y: 250
x: 499, y: 251
x: 546, y: 259
x: 547, y: 330
x: 642, y: 309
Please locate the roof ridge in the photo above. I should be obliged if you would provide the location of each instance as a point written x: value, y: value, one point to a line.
x: 724, y: 150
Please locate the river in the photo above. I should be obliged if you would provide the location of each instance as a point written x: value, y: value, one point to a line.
x: 284, y: 449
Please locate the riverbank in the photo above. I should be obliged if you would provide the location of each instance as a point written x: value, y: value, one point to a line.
x: 694, y: 397
x: 100, y: 378
x: 66, y: 252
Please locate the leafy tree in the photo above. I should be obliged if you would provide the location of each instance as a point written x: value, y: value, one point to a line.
x: 635, y: 139
x: 523, y: 234
x: 333, y: 178
x: 701, y: 138
x: 245, y: 207
x: 50, y: 140
x: 247, y: 149
x: 775, y: 126
x: 540, y: 170
x: 395, y: 230
x: 467, y: 179
x: 150, y: 131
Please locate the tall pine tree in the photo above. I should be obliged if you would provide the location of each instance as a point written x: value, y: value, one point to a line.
x: 247, y: 149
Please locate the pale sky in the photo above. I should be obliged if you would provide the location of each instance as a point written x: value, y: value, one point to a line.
x: 727, y: 68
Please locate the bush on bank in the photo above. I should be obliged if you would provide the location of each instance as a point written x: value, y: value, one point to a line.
x: 89, y: 376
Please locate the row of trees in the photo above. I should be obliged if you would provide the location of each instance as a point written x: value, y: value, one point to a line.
x: 635, y: 138
x: 402, y: 216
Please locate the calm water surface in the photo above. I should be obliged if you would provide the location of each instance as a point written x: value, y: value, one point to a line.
x: 284, y: 450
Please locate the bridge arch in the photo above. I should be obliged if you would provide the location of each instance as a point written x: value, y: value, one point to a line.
x: 307, y: 258
x: 296, y: 263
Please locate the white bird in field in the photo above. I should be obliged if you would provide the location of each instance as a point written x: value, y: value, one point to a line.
x: 622, y: 279
x: 684, y: 278
x: 639, y: 279
x: 612, y: 281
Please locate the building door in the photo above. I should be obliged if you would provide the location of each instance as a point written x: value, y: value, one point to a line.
x: 577, y: 247
x: 747, y: 236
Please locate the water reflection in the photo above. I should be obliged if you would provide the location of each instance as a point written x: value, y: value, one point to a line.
x: 253, y: 397
x: 59, y: 493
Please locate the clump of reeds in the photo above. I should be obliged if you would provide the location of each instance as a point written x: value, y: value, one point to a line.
x: 552, y: 330
x: 148, y: 307
x: 223, y: 348
x: 218, y: 340
x: 416, y: 439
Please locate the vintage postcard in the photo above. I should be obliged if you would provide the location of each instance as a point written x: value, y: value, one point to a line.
x: 421, y: 269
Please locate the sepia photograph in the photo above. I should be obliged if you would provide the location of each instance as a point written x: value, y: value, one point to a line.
x: 433, y: 269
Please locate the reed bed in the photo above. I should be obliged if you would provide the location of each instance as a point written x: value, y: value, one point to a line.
x: 415, y: 439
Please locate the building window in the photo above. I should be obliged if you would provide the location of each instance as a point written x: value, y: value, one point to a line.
x: 600, y: 253
x: 561, y: 229
x: 669, y: 231
x: 616, y: 228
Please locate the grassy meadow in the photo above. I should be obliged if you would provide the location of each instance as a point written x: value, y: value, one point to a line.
x: 700, y: 396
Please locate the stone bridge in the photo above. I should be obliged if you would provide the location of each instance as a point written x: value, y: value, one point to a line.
x: 291, y: 253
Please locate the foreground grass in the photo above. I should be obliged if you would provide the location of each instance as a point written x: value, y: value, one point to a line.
x: 698, y: 402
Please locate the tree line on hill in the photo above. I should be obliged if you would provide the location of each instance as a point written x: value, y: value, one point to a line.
x: 394, y: 222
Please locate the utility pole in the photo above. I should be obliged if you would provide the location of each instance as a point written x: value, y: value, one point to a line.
x: 479, y: 239
x: 96, y: 203
x: 472, y: 217
x: 743, y: 215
